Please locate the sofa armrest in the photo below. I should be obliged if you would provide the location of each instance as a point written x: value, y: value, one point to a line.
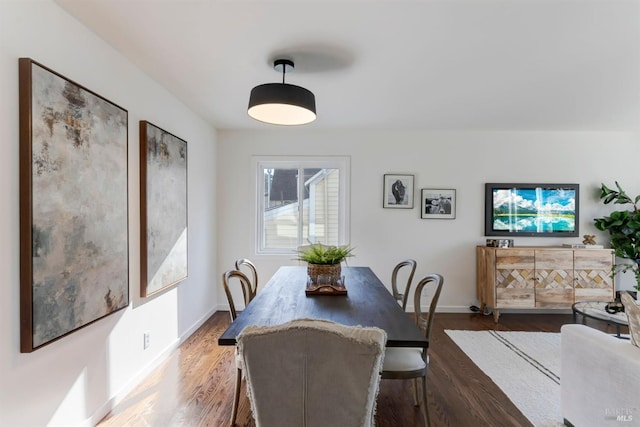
x: 599, y: 378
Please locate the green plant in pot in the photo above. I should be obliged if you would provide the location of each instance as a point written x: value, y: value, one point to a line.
x: 624, y: 229
x: 324, y: 260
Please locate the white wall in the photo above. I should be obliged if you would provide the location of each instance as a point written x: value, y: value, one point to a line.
x: 74, y: 380
x: 460, y: 160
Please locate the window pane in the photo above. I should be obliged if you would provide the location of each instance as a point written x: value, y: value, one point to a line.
x: 280, y: 223
x: 321, y: 207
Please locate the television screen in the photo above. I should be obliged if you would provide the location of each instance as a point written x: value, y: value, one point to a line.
x: 531, y: 209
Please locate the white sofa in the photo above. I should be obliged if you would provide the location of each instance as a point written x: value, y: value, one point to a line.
x: 599, y: 379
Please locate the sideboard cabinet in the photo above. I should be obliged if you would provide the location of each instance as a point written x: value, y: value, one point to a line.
x: 542, y: 277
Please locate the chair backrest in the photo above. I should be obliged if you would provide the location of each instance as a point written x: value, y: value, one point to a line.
x: 243, y: 262
x: 401, y: 295
x: 233, y: 276
x: 430, y: 285
x: 312, y: 373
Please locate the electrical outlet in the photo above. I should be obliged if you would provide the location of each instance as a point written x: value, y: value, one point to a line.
x: 147, y: 337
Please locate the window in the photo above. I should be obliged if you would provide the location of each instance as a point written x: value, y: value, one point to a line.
x: 301, y: 200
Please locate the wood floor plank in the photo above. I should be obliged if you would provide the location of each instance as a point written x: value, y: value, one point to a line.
x: 194, y: 385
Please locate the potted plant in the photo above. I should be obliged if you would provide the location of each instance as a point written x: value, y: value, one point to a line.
x: 324, y: 260
x: 624, y: 229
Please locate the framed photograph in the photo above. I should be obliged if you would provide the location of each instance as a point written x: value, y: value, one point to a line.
x: 163, y: 209
x: 438, y: 203
x: 74, y: 253
x: 398, y: 191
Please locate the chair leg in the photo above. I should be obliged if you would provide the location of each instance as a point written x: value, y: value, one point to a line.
x: 425, y: 404
x: 414, y: 385
x: 236, y: 397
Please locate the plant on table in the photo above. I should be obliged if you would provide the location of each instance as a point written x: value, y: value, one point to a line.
x: 324, y: 254
x: 324, y: 260
x: 624, y: 229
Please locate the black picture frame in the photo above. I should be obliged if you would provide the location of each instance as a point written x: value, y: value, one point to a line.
x: 398, y: 191
x: 438, y: 203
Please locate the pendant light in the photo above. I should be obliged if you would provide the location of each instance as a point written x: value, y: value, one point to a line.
x: 282, y: 103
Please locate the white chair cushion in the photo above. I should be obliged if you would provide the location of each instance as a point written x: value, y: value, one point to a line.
x: 400, y: 359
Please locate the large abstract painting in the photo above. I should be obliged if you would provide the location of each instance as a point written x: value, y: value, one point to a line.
x: 163, y: 209
x: 74, y: 260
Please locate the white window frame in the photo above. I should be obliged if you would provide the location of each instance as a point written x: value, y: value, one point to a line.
x: 342, y: 163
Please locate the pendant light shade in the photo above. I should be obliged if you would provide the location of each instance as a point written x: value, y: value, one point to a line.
x: 282, y: 103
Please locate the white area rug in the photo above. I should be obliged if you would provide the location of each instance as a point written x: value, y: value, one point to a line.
x: 525, y: 365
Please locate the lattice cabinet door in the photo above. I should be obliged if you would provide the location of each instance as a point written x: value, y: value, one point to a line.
x: 515, y: 287
x: 593, y: 281
x: 554, y: 278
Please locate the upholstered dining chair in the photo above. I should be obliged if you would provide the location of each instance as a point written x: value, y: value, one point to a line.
x: 228, y: 278
x: 413, y: 363
x: 312, y: 373
x: 247, y: 264
x: 401, y: 295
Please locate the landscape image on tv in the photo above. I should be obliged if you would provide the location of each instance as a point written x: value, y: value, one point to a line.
x: 537, y: 210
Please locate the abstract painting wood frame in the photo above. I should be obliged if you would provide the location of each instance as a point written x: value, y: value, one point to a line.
x: 74, y: 252
x: 163, y: 209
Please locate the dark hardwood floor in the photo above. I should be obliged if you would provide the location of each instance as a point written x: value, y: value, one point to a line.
x: 194, y: 386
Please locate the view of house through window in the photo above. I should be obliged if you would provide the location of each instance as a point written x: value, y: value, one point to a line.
x: 302, y: 202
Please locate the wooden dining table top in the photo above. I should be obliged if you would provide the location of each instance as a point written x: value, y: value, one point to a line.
x: 367, y: 303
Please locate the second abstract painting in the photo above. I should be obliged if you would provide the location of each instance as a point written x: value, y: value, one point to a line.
x: 163, y: 209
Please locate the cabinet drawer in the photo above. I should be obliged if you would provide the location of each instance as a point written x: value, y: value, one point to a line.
x: 554, y: 260
x: 594, y: 294
x: 515, y: 298
x: 593, y: 259
x: 554, y: 298
x: 515, y: 259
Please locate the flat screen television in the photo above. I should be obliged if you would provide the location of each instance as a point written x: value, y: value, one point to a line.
x: 532, y: 209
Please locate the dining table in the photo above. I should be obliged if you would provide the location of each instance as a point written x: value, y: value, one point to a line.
x: 367, y: 303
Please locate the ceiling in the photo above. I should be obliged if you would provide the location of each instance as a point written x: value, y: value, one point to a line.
x: 391, y: 64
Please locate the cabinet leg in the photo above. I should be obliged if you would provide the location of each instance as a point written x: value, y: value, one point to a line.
x: 496, y: 315
x: 483, y: 305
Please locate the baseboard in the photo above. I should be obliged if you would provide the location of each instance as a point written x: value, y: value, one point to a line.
x: 465, y: 309
x: 128, y: 388
x: 143, y: 373
x: 444, y: 309
x: 535, y: 311
x: 197, y: 325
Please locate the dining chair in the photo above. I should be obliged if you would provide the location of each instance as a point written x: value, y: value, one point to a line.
x: 401, y: 296
x: 247, y: 264
x: 228, y: 278
x: 312, y: 373
x: 413, y: 363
